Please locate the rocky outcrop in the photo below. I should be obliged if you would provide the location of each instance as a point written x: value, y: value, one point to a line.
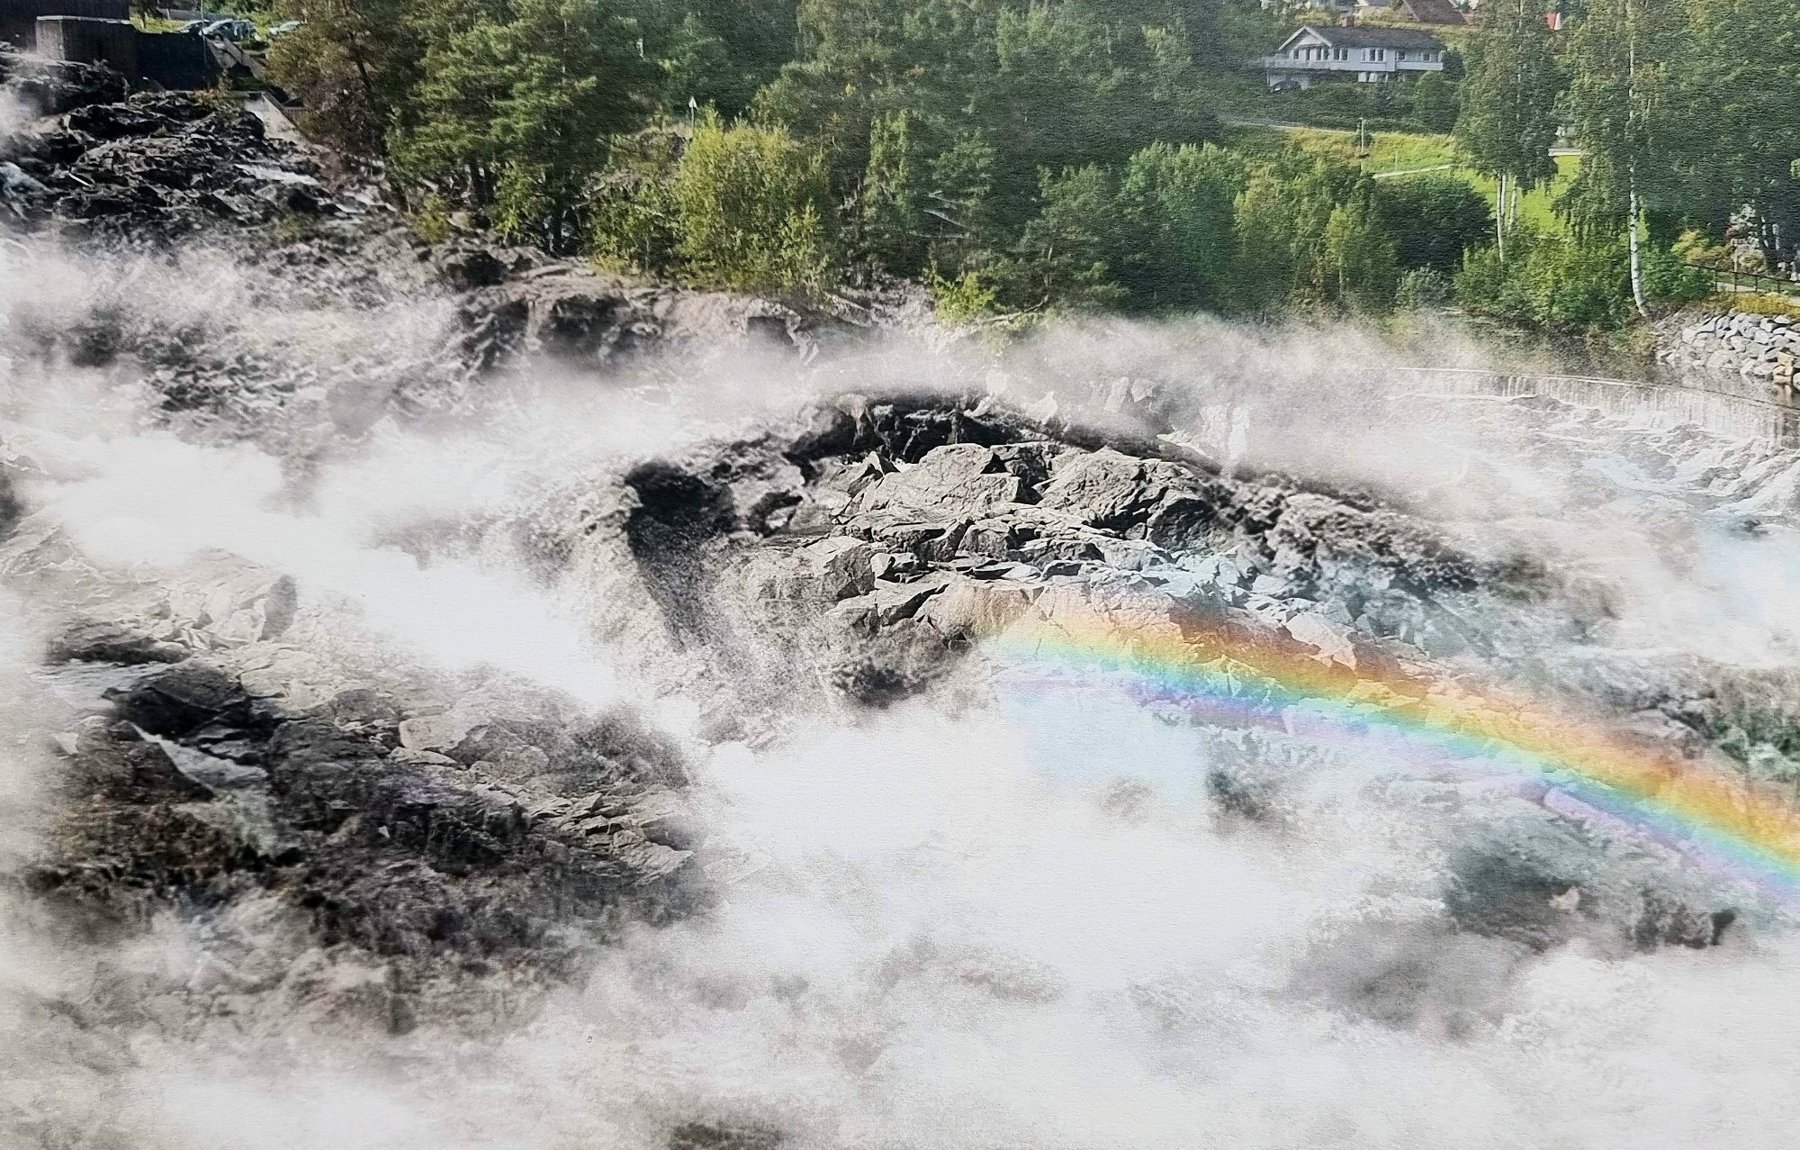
x: 51, y: 87
x: 555, y: 310
x: 908, y: 531
x: 152, y: 167
x: 221, y: 749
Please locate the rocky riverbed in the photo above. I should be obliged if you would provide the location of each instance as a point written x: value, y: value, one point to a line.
x: 457, y: 699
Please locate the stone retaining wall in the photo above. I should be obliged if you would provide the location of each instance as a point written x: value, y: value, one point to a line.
x: 1756, y: 349
x: 18, y: 18
x: 176, y: 60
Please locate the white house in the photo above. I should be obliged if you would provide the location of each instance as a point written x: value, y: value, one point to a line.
x: 1345, y: 6
x: 1366, y: 55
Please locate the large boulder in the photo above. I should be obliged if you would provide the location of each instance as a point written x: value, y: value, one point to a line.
x: 1147, y: 498
x: 949, y: 482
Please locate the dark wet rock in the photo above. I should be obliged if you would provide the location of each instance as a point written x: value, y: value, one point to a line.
x: 95, y: 641
x: 10, y: 510
x: 1414, y: 976
x: 126, y: 766
x: 677, y: 513
x: 186, y: 697
x: 116, y: 121
x: 517, y: 305
x: 415, y: 856
x: 1529, y: 896
x: 49, y: 87
x: 467, y: 269
x: 1540, y: 881
x: 457, y: 867
x: 154, y: 166
x: 1668, y: 922
x: 710, y: 1136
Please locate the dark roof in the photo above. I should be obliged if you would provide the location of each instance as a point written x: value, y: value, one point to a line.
x: 1409, y: 39
x: 1432, y: 11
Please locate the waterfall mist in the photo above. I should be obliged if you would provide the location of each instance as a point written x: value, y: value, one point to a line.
x: 1004, y: 911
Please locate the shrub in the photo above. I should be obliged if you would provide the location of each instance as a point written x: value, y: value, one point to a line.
x: 1754, y: 303
x: 1422, y: 289
x: 1668, y: 278
x: 1435, y: 102
x: 967, y: 297
x: 746, y: 203
x: 431, y: 219
x: 1435, y: 217
x: 631, y: 206
x: 1549, y: 281
x: 1382, y: 107
x: 1696, y: 247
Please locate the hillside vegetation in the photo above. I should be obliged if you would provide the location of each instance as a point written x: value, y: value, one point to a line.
x: 1027, y: 156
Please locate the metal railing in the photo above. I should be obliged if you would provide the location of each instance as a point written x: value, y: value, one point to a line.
x: 1751, y: 281
x: 1659, y: 405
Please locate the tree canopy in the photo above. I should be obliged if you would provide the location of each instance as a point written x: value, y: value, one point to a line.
x: 1035, y: 154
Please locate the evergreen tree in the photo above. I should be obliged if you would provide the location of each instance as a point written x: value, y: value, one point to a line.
x: 719, y: 52
x: 352, y: 64
x: 1435, y: 104
x: 517, y: 102
x: 1360, y: 256
x: 1177, y: 205
x: 891, y: 203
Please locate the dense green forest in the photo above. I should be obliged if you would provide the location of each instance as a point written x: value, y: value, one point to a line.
x: 1028, y: 156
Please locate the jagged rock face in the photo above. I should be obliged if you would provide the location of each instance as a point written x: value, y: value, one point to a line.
x: 186, y: 196
x: 425, y: 823
x: 155, y: 166
x: 514, y: 303
x: 51, y: 87
x: 910, y: 530
x: 508, y: 834
x: 883, y: 521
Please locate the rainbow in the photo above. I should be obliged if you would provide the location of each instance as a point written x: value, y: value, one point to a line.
x: 1230, y: 674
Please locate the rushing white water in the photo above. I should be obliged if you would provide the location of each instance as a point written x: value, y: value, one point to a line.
x: 1017, y: 920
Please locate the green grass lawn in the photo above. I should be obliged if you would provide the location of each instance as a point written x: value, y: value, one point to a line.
x: 1388, y: 151
x: 1538, y: 207
x: 1391, y: 153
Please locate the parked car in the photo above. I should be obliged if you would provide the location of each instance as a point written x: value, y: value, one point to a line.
x: 277, y: 31
x: 193, y: 26
x: 233, y: 30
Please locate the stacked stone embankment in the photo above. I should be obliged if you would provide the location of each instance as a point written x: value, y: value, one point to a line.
x: 1760, y: 349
